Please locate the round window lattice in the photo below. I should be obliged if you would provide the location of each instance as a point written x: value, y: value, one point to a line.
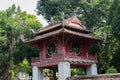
x: 51, y: 49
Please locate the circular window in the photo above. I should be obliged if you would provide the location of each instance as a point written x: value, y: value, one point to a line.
x: 75, y: 47
x: 51, y: 49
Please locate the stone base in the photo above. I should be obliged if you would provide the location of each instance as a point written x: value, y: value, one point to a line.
x: 63, y: 70
x: 92, y: 70
x: 37, y: 73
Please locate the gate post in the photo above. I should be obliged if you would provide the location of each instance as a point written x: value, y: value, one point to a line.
x: 37, y: 73
x: 63, y: 70
x: 92, y: 70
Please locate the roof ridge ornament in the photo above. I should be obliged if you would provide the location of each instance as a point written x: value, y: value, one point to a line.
x: 62, y: 18
x: 74, y: 12
x: 22, y: 37
x: 52, y: 21
x: 33, y: 31
x: 104, y: 36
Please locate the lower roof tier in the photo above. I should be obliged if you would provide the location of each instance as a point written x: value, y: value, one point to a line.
x: 60, y: 32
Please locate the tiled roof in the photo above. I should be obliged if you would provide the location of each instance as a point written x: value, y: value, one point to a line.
x: 70, y: 26
x: 60, y: 31
x: 72, y: 23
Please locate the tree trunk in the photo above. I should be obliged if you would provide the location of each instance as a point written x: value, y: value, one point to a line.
x: 5, y: 75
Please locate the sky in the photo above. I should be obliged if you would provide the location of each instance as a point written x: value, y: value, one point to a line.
x: 25, y: 5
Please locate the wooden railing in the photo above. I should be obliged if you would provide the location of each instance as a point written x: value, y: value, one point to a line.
x: 57, y: 55
x: 115, y: 76
x: 92, y: 57
x: 67, y: 55
x: 35, y: 59
x: 71, y: 55
x: 74, y: 55
x: 54, y: 56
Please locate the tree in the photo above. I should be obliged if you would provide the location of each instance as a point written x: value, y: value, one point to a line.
x: 23, y: 67
x: 115, y: 20
x: 3, y: 50
x: 111, y: 70
x: 13, y: 22
x: 106, y: 49
x: 92, y: 13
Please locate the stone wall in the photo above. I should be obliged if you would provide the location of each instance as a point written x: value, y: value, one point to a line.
x: 115, y: 76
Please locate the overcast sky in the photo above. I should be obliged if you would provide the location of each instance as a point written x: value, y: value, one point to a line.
x: 25, y: 5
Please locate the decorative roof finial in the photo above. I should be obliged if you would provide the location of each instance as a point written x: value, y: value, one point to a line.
x: 33, y: 31
x: 52, y: 21
x: 104, y: 36
x: 94, y: 28
x: 74, y: 12
x: 22, y: 37
x: 62, y: 17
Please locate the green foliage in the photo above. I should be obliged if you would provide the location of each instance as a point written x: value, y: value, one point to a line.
x: 75, y: 48
x: 91, y: 12
x: 23, y: 67
x: 3, y: 51
x: 48, y: 72
x: 115, y: 59
x: 103, y: 14
x: 116, y: 20
x: 14, y: 22
x: 51, y: 73
x: 77, y: 71
x: 24, y: 51
x: 106, y: 49
x: 111, y: 70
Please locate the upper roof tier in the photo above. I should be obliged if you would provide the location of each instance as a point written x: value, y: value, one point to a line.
x: 71, y: 26
x: 71, y: 23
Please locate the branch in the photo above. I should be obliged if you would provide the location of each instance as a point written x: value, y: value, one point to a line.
x: 84, y: 9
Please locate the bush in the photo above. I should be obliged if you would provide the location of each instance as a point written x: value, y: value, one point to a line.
x: 111, y: 70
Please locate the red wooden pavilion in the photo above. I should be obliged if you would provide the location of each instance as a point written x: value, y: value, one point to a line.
x: 67, y: 41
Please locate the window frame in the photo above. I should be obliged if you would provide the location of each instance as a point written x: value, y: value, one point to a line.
x: 48, y: 54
